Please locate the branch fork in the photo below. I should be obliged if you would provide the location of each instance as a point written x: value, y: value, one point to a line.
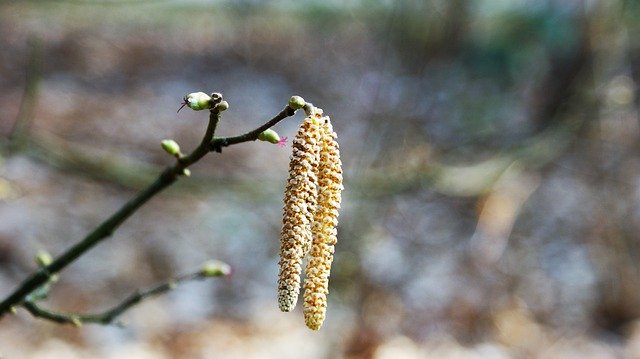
x: 35, y: 287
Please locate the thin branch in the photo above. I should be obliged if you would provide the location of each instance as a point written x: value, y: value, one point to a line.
x: 219, y: 142
x: 104, y: 230
x: 166, y: 178
x: 109, y: 316
x: 19, y: 128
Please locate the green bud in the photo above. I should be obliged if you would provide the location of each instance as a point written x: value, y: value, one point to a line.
x: 43, y: 258
x: 269, y: 135
x: 215, y: 268
x: 186, y: 172
x: 222, y: 106
x: 296, y: 102
x: 76, y: 321
x: 171, y: 147
x: 197, y: 101
x: 13, y: 309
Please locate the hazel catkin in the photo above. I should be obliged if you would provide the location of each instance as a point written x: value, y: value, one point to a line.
x: 300, y: 198
x: 324, y: 232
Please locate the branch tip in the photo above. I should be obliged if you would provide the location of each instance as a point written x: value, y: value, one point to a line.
x: 215, y: 268
x: 296, y: 102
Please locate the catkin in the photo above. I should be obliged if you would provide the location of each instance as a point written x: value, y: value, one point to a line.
x: 300, y: 199
x: 325, y: 220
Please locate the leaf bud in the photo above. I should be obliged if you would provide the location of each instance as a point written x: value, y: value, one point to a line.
x: 76, y: 321
x: 43, y: 258
x: 296, y: 102
x: 171, y: 147
x: 215, y: 268
x: 222, y: 106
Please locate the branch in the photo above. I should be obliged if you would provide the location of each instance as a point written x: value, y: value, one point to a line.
x: 219, y: 142
x: 19, y: 129
x: 214, y: 269
x: 164, y: 180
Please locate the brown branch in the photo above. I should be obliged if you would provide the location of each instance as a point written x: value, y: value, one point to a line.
x: 109, y: 316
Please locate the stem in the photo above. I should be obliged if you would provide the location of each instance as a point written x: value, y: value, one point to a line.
x: 108, y: 316
x: 219, y: 142
x: 104, y: 230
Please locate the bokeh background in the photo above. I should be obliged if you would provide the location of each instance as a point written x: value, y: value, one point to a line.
x: 491, y: 158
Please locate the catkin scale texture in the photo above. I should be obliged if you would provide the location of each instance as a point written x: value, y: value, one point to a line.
x: 324, y: 233
x: 300, y: 200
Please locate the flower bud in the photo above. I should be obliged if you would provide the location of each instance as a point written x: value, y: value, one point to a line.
x: 215, y: 268
x: 186, y: 172
x: 269, y: 135
x: 171, y: 147
x: 296, y: 102
x: 43, y: 258
x: 197, y: 101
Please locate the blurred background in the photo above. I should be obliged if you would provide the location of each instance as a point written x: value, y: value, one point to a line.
x: 491, y: 161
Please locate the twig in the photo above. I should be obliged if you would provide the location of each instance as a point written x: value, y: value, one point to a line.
x: 109, y: 316
x: 165, y: 179
x: 219, y: 142
x: 19, y: 128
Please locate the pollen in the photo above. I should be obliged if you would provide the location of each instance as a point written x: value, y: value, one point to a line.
x: 300, y: 200
x: 324, y: 222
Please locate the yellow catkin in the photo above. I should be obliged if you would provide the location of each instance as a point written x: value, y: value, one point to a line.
x: 300, y: 199
x: 316, y: 284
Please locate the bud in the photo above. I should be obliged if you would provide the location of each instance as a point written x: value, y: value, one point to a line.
x: 222, y: 106
x: 296, y: 102
x: 76, y: 321
x: 269, y: 135
x: 186, y: 172
x: 171, y: 147
x: 215, y: 268
x: 43, y: 258
x: 196, y: 101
